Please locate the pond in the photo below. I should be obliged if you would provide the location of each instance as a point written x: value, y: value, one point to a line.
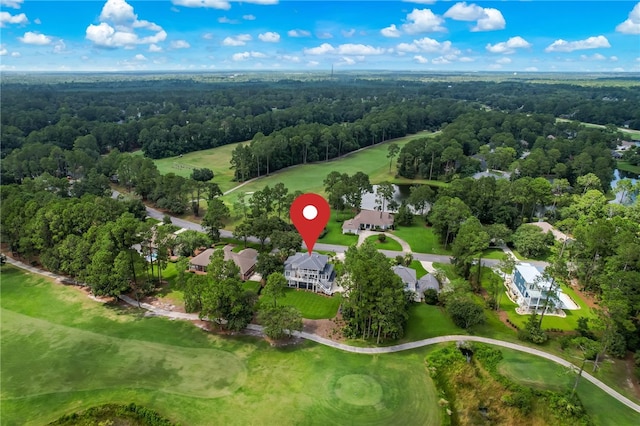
x: 617, y: 176
x: 401, y: 193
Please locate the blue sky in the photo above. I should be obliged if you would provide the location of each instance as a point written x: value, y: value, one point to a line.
x: 198, y: 35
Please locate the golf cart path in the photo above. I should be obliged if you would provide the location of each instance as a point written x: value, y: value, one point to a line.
x: 364, y: 350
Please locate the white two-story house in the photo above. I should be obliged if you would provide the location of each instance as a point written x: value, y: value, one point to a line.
x: 310, y: 272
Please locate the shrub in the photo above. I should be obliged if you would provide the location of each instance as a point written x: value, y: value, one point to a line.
x: 382, y: 238
x: 431, y: 297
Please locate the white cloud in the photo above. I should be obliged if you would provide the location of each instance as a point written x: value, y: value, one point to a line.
x: 269, y: 37
x: 348, y: 33
x: 345, y: 49
x: 218, y: 4
x: 320, y: 50
x: 35, y: 38
x: 420, y: 59
x: 531, y: 69
x: 290, y: 58
x: 14, y: 4
x: 569, y: 46
x: 358, y: 49
x: 504, y: 61
x: 465, y: 59
x: 37, y: 21
x: 246, y: 55
x: 313, y: 63
x: 508, y: 46
x: 422, y: 21
x: 594, y: 57
x: 428, y: 45
x: 238, y: 40
x: 118, y: 25
x: 154, y: 48
x: 487, y: 19
x: 225, y: 20
x: 140, y: 57
x: 632, y: 24
x: 613, y: 59
x: 59, y: 47
x: 180, y: 44
x: 249, y: 17
x: 391, y: 31
x: 347, y: 61
x: 15, y: 54
x: 440, y: 60
x: 7, y: 18
x: 298, y: 33
x: 4, y: 51
x: 324, y: 35
x: 207, y: 36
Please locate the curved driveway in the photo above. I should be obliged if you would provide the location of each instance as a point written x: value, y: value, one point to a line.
x: 378, y: 350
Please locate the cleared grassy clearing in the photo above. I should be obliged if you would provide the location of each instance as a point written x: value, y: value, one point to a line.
x: 308, y: 177
x: 623, y: 165
x: 427, y: 321
x: 217, y: 159
x: 334, y: 233
x: 63, y: 352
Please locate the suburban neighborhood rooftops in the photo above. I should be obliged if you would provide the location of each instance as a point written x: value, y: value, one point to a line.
x: 314, y: 262
x: 203, y: 259
x: 245, y: 259
x: 407, y: 275
x: 427, y: 282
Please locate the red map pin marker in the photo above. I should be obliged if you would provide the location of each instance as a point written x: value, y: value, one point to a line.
x: 310, y: 214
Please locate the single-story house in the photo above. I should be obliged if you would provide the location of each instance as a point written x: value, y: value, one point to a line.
x: 311, y: 272
x: 368, y: 219
x: 427, y: 282
x: 200, y: 262
x: 245, y: 259
x: 409, y: 278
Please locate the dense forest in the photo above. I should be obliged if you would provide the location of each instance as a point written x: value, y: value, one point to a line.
x: 317, y: 119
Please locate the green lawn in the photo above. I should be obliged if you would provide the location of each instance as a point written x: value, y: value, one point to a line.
x: 312, y: 305
x: 420, y: 271
x: 308, y: 177
x: 253, y: 286
x: 217, y: 159
x: 427, y: 321
x: 334, y: 233
x: 570, y: 322
x: 389, y: 244
x: 496, y: 254
x: 536, y: 372
x: 623, y: 165
x: 421, y: 239
x: 63, y: 352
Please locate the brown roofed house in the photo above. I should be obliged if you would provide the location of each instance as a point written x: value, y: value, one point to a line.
x: 368, y: 219
x: 245, y: 260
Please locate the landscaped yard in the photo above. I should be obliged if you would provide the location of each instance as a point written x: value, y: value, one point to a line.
x: 217, y: 159
x: 536, y: 372
x: 420, y: 238
x: 427, y: 321
x: 63, y: 352
x: 420, y: 271
x: 334, y: 233
x: 311, y: 305
x: 389, y: 243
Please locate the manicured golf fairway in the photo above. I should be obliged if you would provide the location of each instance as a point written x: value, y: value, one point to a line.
x: 63, y: 352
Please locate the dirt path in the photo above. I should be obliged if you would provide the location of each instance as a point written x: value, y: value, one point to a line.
x: 376, y: 350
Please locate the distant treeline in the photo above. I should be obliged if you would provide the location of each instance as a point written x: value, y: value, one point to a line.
x: 171, y: 117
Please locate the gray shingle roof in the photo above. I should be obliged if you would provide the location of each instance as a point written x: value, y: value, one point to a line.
x: 407, y: 275
x: 428, y: 281
x: 315, y: 262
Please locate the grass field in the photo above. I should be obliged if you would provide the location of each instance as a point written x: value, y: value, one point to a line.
x: 421, y: 239
x: 630, y: 132
x: 312, y: 305
x: 623, y: 165
x: 63, y: 352
x: 308, y: 177
x: 334, y: 233
x: 389, y: 243
x: 217, y: 159
x: 537, y: 372
x: 427, y: 321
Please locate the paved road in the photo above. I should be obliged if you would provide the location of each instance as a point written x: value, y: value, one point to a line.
x: 156, y: 214
x: 379, y: 350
